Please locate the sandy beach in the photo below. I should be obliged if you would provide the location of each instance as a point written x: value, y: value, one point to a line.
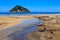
x: 51, y: 23
x: 6, y: 22
x: 12, y: 27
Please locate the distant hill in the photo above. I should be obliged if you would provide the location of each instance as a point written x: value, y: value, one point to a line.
x: 18, y: 8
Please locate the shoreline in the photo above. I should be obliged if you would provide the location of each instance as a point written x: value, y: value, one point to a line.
x: 18, y: 15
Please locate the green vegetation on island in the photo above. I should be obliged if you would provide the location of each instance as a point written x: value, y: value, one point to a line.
x: 18, y: 8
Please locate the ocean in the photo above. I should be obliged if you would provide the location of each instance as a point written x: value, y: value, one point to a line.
x: 25, y: 13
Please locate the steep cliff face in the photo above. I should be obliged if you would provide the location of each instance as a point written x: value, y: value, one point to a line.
x: 18, y: 8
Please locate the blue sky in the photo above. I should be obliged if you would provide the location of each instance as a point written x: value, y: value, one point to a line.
x: 32, y: 5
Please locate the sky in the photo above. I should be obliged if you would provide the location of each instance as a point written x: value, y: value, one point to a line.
x: 32, y: 5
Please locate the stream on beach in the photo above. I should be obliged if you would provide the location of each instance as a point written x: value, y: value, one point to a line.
x: 22, y: 35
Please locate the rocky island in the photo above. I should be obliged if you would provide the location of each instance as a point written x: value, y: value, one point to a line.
x: 18, y: 8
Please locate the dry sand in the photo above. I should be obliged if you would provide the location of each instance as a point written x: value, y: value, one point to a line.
x: 6, y: 22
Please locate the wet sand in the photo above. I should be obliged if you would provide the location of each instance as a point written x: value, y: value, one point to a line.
x: 6, y: 22
x: 19, y: 34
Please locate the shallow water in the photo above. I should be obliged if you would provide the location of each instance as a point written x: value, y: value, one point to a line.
x: 22, y: 35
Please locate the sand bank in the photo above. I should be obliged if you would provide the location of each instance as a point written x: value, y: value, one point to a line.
x: 6, y: 22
